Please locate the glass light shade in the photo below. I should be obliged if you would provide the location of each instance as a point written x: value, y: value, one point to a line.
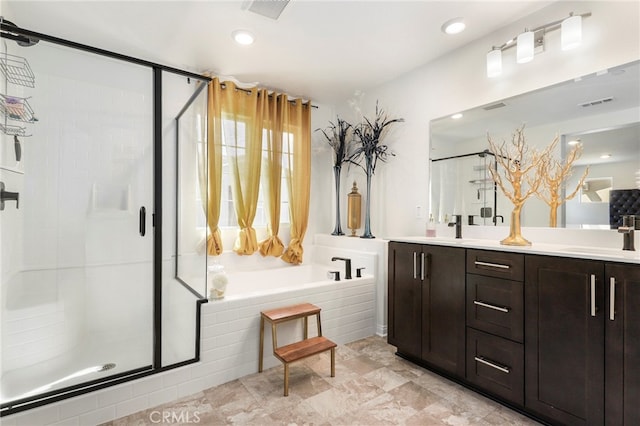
x: 571, y: 32
x: 524, y: 48
x: 494, y: 63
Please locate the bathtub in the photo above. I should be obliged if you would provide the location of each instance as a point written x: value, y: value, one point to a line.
x: 230, y: 327
x: 280, y: 280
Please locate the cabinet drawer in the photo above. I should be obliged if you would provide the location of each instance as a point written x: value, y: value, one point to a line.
x: 497, y: 264
x: 496, y: 306
x: 496, y: 365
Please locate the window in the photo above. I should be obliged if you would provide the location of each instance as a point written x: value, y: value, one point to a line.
x: 228, y: 216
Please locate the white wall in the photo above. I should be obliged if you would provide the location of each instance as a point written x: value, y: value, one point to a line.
x: 458, y: 81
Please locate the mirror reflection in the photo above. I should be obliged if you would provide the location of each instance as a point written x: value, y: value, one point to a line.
x: 600, y: 111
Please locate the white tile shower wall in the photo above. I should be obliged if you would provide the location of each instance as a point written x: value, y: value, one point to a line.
x: 229, y: 350
x: 178, y: 322
x: 41, y: 316
x: 119, y: 308
x: 83, y: 159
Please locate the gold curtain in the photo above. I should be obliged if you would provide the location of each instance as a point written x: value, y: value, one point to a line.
x: 297, y: 136
x: 272, y: 245
x: 210, y: 168
x: 244, y: 113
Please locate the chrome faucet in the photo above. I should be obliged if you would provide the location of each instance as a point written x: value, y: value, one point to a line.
x: 347, y: 266
x: 457, y: 224
x: 627, y: 231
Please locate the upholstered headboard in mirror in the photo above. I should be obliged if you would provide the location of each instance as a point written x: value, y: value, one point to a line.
x: 623, y: 202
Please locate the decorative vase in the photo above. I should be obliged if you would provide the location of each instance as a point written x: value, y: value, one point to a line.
x: 354, y: 210
x: 338, y: 228
x: 367, y: 205
x: 515, y: 237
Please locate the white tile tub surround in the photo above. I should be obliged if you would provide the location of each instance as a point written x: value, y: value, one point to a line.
x: 325, y: 245
x: 229, y: 343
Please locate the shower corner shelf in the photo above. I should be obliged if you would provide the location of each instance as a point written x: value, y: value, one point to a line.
x: 16, y: 70
x: 11, y: 130
x: 17, y: 108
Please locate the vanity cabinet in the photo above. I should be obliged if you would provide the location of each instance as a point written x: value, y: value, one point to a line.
x: 556, y: 337
x: 426, y: 304
x: 494, y: 307
x: 564, y: 339
x: 622, y: 349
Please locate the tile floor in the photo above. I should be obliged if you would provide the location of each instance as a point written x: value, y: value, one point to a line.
x: 372, y: 387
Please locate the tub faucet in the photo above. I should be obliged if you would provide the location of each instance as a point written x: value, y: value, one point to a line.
x: 457, y: 224
x: 627, y: 231
x: 347, y: 266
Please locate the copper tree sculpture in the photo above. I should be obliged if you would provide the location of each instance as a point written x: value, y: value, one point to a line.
x: 521, y: 169
x: 554, y: 174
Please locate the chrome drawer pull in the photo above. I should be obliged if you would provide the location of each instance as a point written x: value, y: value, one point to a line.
x: 612, y: 299
x: 593, y: 295
x: 487, y: 305
x: 415, y: 261
x: 504, y: 369
x: 492, y: 265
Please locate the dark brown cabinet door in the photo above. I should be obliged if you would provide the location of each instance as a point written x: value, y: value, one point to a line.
x: 622, y: 392
x: 405, y: 298
x: 564, y: 339
x: 443, y: 308
x: 426, y: 304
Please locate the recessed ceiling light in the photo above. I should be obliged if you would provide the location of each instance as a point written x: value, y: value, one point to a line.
x: 574, y: 142
x: 453, y: 26
x: 456, y: 116
x: 605, y: 156
x: 243, y: 37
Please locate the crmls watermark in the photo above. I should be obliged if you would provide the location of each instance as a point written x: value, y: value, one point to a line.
x: 174, y: 417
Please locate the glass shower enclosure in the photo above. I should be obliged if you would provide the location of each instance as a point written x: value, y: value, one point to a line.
x: 89, y: 295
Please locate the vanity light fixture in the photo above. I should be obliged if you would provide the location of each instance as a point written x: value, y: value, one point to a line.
x: 457, y: 116
x: 525, y: 46
x: 494, y: 62
x: 531, y: 42
x: 605, y: 156
x: 243, y: 37
x: 574, y: 142
x: 571, y: 32
x: 453, y: 26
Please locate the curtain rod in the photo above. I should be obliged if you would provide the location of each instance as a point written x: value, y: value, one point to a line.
x: 224, y: 86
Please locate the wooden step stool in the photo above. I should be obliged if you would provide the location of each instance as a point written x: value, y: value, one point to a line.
x: 299, y: 350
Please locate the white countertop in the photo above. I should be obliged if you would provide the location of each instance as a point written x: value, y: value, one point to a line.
x: 549, y: 249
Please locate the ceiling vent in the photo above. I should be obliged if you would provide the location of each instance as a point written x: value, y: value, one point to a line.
x: 596, y: 102
x: 269, y: 8
x: 494, y: 106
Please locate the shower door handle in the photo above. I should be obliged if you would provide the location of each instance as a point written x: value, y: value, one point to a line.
x: 143, y: 221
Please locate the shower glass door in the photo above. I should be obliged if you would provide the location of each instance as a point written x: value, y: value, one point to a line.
x: 76, y: 251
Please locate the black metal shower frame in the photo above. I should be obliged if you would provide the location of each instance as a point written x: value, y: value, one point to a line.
x: 495, y: 185
x: 20, y: 34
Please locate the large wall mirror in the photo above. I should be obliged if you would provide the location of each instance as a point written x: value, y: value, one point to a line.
x: 600, y: 111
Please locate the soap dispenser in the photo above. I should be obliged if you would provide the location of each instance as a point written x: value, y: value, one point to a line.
x: 431, y: 226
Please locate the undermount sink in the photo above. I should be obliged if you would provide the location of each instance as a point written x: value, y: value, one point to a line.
x: 448, y: 240
x: 602, y: 251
